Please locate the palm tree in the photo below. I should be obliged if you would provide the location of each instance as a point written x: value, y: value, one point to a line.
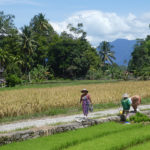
x: 43, y: 33
x: 28, y: 47
x: 40, y: 24
x: 105, y: 52
x: 28, y: 44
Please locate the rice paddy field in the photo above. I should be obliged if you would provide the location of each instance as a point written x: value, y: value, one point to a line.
x: 107, y: 136
x: 27, y: 101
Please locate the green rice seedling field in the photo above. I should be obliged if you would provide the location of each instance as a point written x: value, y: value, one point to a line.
x: 141, y: 146
x: 107, y: 136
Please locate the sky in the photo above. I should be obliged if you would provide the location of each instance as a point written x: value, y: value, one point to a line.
x: 102, y: 19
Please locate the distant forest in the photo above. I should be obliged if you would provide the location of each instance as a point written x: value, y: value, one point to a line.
x: 36, y: 53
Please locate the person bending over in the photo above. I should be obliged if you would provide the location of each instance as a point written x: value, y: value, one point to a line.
x: 127, y: 102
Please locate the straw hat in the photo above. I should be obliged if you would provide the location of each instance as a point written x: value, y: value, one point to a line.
x: 125, y: 95
x: 84, y: 90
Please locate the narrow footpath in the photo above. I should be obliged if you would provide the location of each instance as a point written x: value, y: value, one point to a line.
x: 51, y: 120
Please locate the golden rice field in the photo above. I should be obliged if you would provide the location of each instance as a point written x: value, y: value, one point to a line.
x: 32, y: 100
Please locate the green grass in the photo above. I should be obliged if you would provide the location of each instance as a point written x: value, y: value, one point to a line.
x: 145, y: 101
x: 56, y: 83
x: 18, y: 129
x: 117, y: 141
x: 142, y: 146
x: 71, y: 138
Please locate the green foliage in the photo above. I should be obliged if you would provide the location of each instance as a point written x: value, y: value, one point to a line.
x: 115, y: 72
x: 68, y: 55
x: 6, y: 24
x: 40, y: 73
x: 71, y: 56
x: 42, y: 33
x: 94, y: 74
x: 9, y: 40
x: 28, y: 46
x: 12, y: 69
x: 139, y: 117
x: 139, y: 63
x: 105, y: 52
x: 12, y: 80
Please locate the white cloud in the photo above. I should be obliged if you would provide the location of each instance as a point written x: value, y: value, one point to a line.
x: 10, y: 2
x: 146, y: 16
x: 107, y: 26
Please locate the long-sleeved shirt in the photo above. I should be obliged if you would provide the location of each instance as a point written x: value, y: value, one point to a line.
x: 126, y: 103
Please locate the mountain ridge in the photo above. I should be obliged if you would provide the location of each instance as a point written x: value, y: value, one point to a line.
x: 123, y: 49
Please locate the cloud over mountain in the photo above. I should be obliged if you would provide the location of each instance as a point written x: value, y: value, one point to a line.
x: 107, y: 25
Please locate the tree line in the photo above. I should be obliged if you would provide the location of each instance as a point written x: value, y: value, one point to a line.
x: 36, y: 52
x: 139, y: 64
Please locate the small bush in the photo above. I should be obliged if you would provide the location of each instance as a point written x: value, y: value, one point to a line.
x: 93, y: 74
x: 139, y: 117
x: 12, y: 80
x: 40, y: 73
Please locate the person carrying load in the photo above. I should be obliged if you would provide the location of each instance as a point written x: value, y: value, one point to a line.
x: 86, y: 101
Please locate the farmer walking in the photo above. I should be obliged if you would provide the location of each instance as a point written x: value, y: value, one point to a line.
x: 86, y: 101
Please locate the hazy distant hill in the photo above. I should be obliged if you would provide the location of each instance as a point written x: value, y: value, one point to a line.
x: 123, y: 49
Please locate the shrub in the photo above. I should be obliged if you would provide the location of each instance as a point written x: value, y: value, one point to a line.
x: 12, y: 80
x: 93, y: 74
x: 40, y: 73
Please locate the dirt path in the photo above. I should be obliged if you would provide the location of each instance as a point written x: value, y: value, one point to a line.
x: 50, y: 120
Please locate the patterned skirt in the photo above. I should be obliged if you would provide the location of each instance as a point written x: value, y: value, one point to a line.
x: 85, y: 107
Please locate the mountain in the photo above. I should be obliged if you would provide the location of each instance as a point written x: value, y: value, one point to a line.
x: 123, y: 49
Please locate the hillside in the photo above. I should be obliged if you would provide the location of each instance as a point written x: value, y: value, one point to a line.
x: 123, y: 49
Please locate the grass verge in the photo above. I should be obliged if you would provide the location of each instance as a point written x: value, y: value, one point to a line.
x: 56, y: 83
x: 18, y: 129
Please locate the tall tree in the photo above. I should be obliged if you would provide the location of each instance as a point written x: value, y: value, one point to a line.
x: 139, y: 63
x: 71, y: 55
x: 28, y: 48
x: 105, y: 52
x: 41, y: 25
x: 43, y: 33
x: 9, y: 41
x: 6, y: 24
